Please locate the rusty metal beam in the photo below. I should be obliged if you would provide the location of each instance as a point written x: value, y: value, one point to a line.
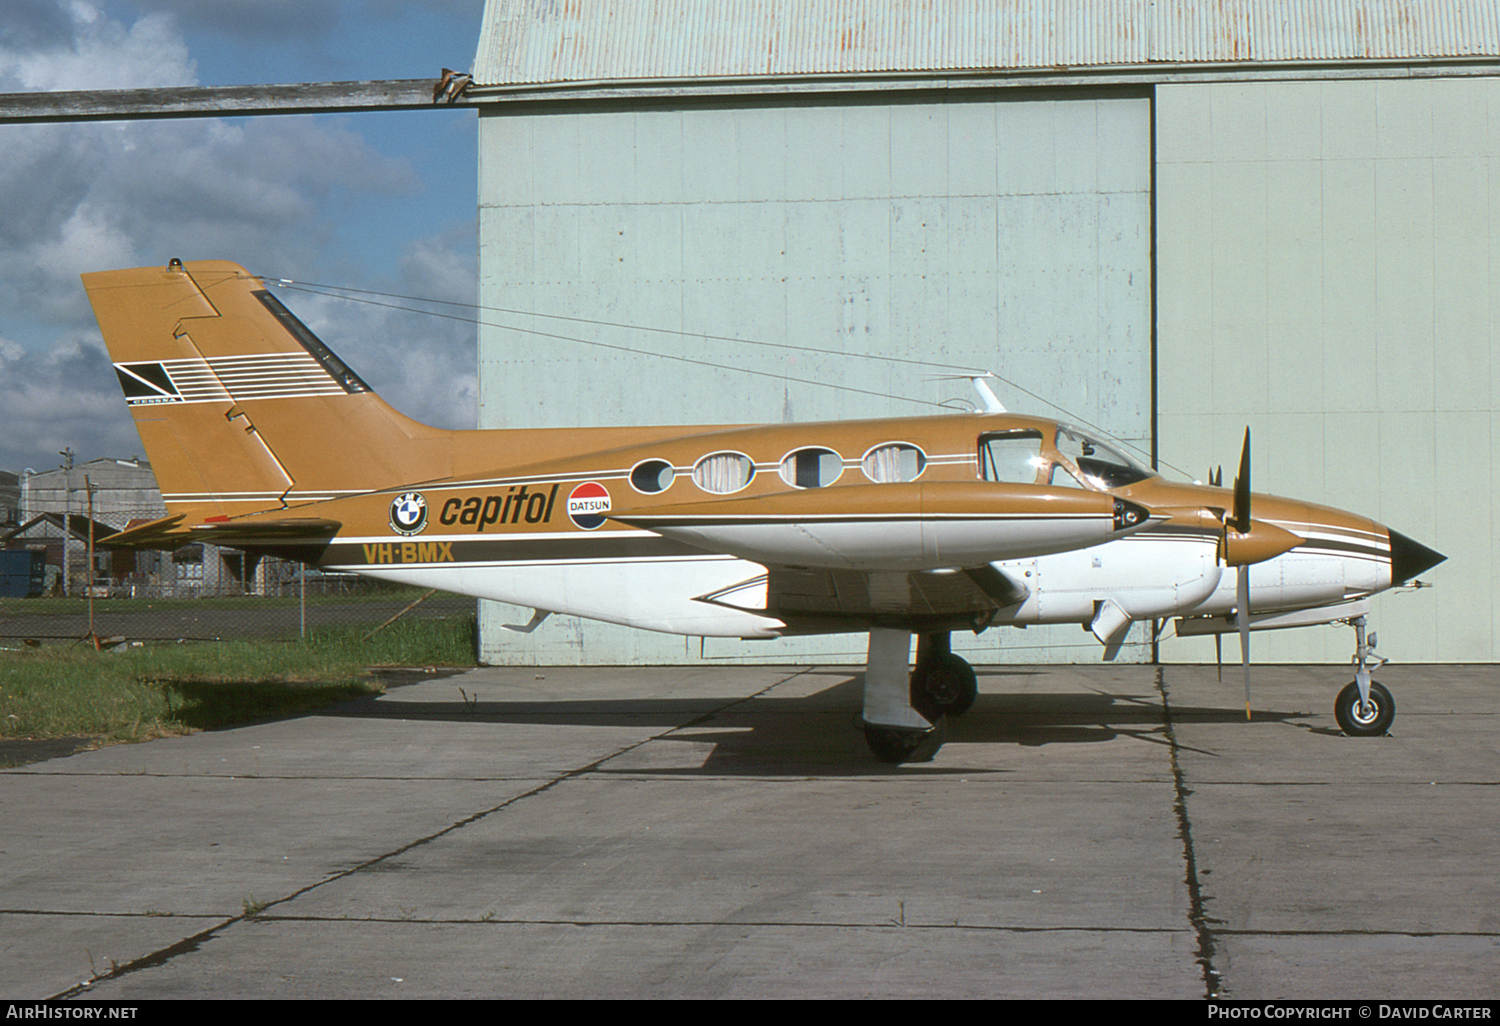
x: 219, y: 101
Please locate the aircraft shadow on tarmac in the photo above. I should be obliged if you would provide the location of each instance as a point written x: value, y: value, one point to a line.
x: 819, y: 732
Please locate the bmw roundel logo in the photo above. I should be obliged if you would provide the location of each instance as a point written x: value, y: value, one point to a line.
x: 408, y: 513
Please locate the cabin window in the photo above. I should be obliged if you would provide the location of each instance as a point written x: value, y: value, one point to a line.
x: 723, y: 472
x: 1014, y: 456
x: 1102, y: 466
x: 896, y: 461
x: 651, y: 476
x: 1061, y: 477
x: 812, y: 468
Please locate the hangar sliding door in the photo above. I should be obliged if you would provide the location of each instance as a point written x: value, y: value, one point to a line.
x: 1328, y: 277
x: 1009, y: 234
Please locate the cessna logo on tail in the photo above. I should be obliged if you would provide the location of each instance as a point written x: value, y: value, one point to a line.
x: 146, y: 383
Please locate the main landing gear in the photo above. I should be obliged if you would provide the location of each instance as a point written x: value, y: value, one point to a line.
x: 1364, y: 708
x: 941, y: 682
x: 905, y: 715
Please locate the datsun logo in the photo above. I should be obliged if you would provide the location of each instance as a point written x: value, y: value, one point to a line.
x: 587, y: 505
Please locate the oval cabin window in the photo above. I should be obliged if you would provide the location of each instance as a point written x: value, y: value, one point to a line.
x: 887, y: 464
x: 812, y: 468
x: 723, y: 472
x: 651, y: 476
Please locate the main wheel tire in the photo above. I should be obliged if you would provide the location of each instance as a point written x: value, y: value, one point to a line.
x: 945, y: 686
x: 1373, y: 721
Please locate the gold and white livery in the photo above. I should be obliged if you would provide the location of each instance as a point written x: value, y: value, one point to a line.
x: 263, y: 439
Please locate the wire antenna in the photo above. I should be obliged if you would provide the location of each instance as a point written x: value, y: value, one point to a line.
x: 991, y: 403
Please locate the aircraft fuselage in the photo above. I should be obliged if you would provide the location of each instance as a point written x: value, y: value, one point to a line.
x: 811, y: 528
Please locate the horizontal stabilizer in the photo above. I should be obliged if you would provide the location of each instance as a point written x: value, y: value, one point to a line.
x: 253, y: 533
x: 168, y: 533
x: 164, y: 534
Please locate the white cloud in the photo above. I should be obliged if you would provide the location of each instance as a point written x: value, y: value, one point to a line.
x: 86, y: 238
x: 443, y: 267
x: 423, y: 364
x: 267, y: 192
x: 98, y: 53
x: 290, y: 20
x: 67, y: 397
x: 95, y: 197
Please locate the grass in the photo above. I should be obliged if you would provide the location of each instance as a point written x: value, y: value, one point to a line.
x: 78, y: 605
x: 168, y: 688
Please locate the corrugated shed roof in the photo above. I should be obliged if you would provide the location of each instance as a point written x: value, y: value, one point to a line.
x: 540, y: 41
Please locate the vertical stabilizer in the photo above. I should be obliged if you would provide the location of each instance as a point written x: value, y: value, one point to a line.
x: 240, y: 406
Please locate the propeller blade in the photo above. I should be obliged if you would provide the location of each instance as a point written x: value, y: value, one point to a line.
x: 1216, y: 477
x: 1219, y: 656
x: 1242, y: 618
x: 1242, y: 489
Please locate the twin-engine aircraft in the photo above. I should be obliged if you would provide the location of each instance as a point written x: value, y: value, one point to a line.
x: 262, y: 439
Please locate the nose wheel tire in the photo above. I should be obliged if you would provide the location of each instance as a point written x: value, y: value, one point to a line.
x: 1372, y: 720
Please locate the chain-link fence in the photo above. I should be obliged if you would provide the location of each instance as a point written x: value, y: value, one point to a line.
x: 62, y: 580
x: 186, y: 611
x: 74, y: 585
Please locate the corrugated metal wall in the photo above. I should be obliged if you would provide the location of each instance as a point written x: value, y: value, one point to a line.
x: 1329, y: 274
x: 1326, y: 249
x: 541, y: 41
x: 1011, y: 235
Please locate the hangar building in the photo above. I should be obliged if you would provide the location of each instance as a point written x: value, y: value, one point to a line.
x: 1170, y: 221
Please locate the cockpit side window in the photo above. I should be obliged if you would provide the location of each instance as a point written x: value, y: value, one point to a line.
x: 1101, y: 465
x: 1061, y: 477
x: 1014, y: 456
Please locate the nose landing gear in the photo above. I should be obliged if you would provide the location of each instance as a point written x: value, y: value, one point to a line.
x: 1360, y: 717
x: 1364, y: 708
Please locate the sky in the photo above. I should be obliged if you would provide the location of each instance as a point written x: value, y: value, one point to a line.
x: 385, y: 201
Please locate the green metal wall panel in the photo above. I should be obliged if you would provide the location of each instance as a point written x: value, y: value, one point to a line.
x: 1327, y: 276
x: 1009, y: 235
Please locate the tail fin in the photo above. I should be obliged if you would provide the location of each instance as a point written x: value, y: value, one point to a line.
x: 240, y: 407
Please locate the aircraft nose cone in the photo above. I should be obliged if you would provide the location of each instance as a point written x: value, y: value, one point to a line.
x: 1409, y: 558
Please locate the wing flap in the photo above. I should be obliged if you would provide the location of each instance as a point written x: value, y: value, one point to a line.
x: 803, y: 596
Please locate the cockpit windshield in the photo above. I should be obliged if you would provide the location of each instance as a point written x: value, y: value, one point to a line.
x: 1103, y: 465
